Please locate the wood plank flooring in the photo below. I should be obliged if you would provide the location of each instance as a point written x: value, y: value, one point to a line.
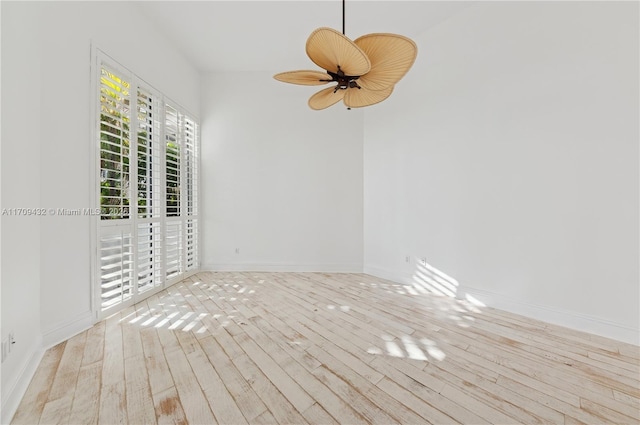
x: 316, y: 348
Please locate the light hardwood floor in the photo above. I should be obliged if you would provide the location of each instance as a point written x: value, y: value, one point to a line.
x: 236, y: 348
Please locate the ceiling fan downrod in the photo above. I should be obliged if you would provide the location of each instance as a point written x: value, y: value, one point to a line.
x: 343, y: 17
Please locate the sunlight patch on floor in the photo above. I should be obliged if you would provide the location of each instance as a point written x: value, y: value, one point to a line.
x: 406, y: 346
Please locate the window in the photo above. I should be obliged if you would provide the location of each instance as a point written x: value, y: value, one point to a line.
x: 147, y: 189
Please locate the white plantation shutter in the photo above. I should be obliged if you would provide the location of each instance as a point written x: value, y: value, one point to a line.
x: 191, y: 160
x: 115, y: 244
x: 149, y: 196
x: 173, y: 154
x: 115, y: 140
x: 149, y: 155
x: 116, y: 268
x: 149, y: 245
x: 147, y: 190
x: 191, y: 182
x: 192, y: 244
x: 181, y: 147
x: 173, y: 243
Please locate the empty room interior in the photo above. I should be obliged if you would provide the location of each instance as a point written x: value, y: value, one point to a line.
x: 437, y: 222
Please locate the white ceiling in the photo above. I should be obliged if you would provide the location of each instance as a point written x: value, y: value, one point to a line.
x: 271, y: 35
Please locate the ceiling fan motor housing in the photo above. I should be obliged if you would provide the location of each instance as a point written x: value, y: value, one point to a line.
x: 344, y: 81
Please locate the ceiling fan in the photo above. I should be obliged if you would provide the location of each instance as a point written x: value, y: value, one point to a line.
x: 365, y: 70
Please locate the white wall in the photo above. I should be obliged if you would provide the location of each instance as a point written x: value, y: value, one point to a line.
x: 20, y: 189
x: 508, y: 158
x: 280, y: 182
x: 46, y: 62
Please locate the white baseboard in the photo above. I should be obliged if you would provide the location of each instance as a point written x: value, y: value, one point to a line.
x: 64, y: 330
x: 12, y: 396
x: 392, y: 275
x: 578, y: 321
x: 284, y: 267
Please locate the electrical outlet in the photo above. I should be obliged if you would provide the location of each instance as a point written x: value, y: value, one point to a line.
x: 237, y: 250
x: 423, y: 261
x: 12, y: 340
x: 5, y: 349
x: 407, y: 259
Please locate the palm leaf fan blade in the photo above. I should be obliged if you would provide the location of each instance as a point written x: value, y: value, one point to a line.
x: 391, y: 56
x: 355, y: 98
x: 325, y: 98
x: 329, y: 49
x: 305, y: 78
